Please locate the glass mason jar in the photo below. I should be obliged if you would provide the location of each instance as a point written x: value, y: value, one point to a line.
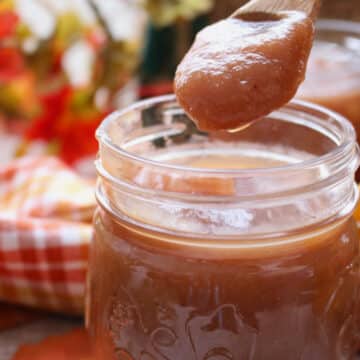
x: 225, y: 245
x: 333, y: 73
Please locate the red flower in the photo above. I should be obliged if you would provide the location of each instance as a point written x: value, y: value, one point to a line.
x: 8, y: 23
x: 53, y: 104
x: 11, y: 63
x: 73, y: 133
x: 77, y: 140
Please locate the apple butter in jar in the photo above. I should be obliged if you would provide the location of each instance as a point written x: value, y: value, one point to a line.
x: 225, y: 245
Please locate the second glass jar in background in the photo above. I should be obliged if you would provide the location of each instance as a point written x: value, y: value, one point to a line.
x: 333, y: 73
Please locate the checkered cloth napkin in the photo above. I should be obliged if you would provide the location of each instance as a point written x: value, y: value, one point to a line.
x: 45, y: 229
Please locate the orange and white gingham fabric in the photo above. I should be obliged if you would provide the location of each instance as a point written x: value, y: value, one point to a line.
x: 45, y: 230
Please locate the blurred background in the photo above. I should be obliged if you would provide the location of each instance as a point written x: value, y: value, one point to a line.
x: 65, y: 64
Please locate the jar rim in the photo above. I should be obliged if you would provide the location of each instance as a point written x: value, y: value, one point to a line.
x: 346, y: 145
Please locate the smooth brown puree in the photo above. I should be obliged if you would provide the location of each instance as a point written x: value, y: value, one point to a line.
x: 239, y: 70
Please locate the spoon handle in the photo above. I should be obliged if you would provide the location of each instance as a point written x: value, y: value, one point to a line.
x: 310, y: 7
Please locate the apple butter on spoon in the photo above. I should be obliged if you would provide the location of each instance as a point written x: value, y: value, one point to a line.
x: 244, y: 67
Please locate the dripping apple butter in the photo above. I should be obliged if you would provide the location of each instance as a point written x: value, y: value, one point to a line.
x: 224, y: 246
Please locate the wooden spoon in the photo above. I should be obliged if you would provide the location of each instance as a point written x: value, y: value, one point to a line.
x: 310, y: 7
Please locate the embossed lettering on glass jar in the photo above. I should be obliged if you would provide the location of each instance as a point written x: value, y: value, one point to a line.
x: 225, y: 245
